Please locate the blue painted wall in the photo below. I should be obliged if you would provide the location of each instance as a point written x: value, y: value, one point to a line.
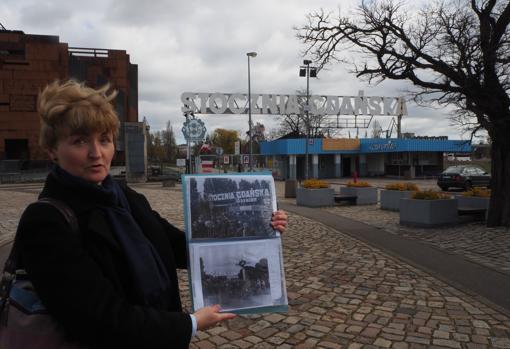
x: 367, y: 145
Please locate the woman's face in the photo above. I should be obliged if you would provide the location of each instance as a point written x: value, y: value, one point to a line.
x: 87, y: 156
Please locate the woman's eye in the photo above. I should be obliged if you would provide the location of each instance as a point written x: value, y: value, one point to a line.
x: 79, y: 141
x: 105, y: 140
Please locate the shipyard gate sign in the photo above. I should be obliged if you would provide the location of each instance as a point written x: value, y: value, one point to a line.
x: 237, y: 103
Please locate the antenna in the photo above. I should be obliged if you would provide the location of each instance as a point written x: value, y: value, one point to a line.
x: 2, y: 27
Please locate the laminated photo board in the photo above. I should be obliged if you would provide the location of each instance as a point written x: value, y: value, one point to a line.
x: 235, y: 256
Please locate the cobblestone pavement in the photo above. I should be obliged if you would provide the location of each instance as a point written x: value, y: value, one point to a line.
x: 12, y: 204
x: 342, y: 294
x: 345, y: 294
x: 474, y: 241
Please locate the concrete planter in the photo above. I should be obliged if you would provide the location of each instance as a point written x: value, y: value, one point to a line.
x: 366, y: 195
x: 428, y: 213
x: 290, y: 188
x: 315, y: 197
x: 390, y: 199
x: 473, y: 202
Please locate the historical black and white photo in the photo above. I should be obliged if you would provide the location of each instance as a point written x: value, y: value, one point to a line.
x: 230, y: 206
x: 238, y: 275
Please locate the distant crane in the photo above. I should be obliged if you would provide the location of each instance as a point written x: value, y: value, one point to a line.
x: 2, y: 27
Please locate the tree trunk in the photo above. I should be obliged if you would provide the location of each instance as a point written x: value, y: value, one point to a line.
x: 499, y: 207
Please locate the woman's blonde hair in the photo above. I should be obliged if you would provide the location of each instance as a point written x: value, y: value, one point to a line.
x: 71, y: 107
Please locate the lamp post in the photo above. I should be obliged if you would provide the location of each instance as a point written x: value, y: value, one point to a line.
x: 253, y: 55
x: 306, y: 70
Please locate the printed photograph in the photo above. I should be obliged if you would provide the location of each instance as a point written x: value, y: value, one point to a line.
x: 238, y: 275
x: 230, y: 206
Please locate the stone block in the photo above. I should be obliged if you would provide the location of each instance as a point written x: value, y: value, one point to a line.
x: 366, y: 195
x: 428, y: 213
x: 315, y: 197
x: 390, y: 199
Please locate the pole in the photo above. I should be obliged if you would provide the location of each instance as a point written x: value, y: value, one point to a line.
x: 307, y: 116
x: 188, y: 165
x: 249, y: 118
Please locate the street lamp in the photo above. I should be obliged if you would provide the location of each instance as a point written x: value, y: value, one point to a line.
x: 306, y: 70
x: 253, y: 55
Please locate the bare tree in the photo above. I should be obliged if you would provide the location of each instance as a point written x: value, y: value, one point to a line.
x: 454, y: 52
x: 297, y: 124
x: 169, y: 143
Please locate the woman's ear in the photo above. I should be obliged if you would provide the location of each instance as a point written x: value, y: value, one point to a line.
x: 52, y: 154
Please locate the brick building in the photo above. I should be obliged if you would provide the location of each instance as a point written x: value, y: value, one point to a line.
x: 29, y: 62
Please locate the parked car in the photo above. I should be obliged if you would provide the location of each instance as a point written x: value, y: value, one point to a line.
x: 463, y: 176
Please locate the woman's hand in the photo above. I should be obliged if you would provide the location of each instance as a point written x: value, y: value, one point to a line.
x: 279, y: 220
x: 208, y: 317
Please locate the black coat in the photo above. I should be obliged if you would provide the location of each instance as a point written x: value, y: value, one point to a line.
x: 84, y: 279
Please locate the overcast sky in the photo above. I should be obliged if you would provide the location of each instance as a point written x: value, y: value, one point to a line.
x: 200, y: 46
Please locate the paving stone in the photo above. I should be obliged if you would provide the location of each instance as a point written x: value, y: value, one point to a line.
x: 354, y: 329
x: 355, y: 346
x: 417, y: 340
x: 252, y: 339
x: 267, y: 332
x: 461, y: 337
x: 205, y: 345
x: 278, y: 338
x: 231, y: 335
x: 242, y: 344
x: 446, y: 343
x: 475, y: 346
x: 480, y: 339
x: 273, y: 318
x: 480, y: 324
x: 383, y: 343
x: 441, y: 334
x: 370, y: 332
x: 329, y: 345
x: 500, y: 342
x: 218, y: 340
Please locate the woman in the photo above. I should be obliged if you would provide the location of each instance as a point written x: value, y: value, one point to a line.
x: 113, y: 285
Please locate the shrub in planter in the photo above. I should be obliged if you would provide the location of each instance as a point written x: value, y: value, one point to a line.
x: 428, y: 209
x: 315, y: 193
x: 475, y: 198
x: 358, y: 184
x: 478, y: 192
x: 363, y: 190
x: 315, y: 184
x: 402, y: 186
x: 391, y: 195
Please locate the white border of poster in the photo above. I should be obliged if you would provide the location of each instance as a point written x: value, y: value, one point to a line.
x: 235, y: 256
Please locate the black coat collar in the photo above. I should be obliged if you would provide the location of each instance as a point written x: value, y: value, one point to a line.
x: 85, y: 206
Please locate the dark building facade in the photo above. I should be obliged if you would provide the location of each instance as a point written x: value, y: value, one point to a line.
x: 29, y: 62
